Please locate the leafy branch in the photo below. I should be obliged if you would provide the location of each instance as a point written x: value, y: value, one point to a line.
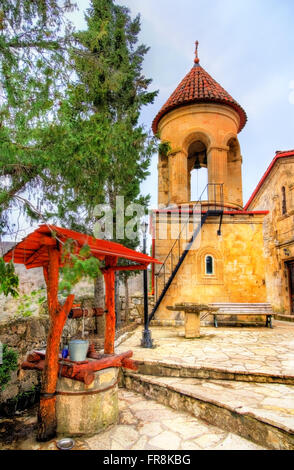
x: 77, y: 266
x: 9, y: 365
x: 9, y: 281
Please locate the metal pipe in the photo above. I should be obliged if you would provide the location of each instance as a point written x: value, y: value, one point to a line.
x: 146, y: 337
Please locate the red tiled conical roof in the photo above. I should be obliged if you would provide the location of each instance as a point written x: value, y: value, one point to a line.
x: 199, y: 87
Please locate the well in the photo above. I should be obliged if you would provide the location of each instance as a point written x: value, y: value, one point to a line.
x: 87, y: 409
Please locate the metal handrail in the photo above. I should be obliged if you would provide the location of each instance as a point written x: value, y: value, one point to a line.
x: 162, y: 269
x: 180, y: 234
x: 173, y: 274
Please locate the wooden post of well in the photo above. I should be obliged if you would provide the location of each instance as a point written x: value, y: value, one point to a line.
x: 109, y: 278
x: 58, y: 315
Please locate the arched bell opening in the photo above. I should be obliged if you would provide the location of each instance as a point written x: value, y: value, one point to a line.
x: 234, y: 178
x: 197, y: 169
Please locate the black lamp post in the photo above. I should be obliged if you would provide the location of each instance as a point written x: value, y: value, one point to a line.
x: 146, y: 337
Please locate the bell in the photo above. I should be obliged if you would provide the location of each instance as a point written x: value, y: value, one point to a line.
x: 197, y: 165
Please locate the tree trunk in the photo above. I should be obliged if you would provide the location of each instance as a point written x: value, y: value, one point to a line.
x: 127, y: 299
x: 117, y: 302
x: 99, y: 302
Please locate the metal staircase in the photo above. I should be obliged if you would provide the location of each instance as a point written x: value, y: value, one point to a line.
x: 176, y: 256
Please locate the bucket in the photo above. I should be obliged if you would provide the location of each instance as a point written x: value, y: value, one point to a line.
x: 78, y: 349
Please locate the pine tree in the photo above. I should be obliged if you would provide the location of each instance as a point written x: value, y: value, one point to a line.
x: 34, y: 37
x: 73, y: 140
x: 108, y: 151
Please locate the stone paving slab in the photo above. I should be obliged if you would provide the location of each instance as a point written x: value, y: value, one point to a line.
x: 270, y: 403
x: 145, y: 424
x: 254, y: 350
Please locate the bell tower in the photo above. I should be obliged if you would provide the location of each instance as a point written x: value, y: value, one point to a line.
x: 200, y: 123
x: 223, y: 262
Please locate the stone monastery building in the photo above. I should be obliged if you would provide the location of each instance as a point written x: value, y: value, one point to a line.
x: 239, y: 254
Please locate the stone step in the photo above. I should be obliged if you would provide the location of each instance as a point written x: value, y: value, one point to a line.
x: 173, y: 369
x: 263, y: 413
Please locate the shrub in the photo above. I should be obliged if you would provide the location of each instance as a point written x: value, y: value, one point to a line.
x: 9, y: 365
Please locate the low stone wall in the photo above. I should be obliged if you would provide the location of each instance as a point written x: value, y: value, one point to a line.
x: 24, y: 335
x: 136, y: 308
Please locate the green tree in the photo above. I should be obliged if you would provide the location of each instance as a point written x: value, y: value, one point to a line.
x: 82, y: 144
x: 34, y: 66
x: 108, y: 150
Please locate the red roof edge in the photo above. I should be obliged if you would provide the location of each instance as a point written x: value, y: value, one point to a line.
x: 32, y: 245
x: 279, y: 154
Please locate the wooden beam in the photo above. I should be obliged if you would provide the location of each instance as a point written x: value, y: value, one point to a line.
x: 118, y: 360
x: 48, y: 241
x: 31, y: 259
x: 125, y: 268
x: 85, y: 376
x: 83, y: 371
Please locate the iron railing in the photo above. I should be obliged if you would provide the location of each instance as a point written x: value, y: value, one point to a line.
x: 213, y: 205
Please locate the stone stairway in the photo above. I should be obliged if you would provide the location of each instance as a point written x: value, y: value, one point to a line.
x: 239, y: 379
x: 260, y: 412
x: 173, y: 369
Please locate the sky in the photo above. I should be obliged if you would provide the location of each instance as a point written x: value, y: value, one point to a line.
x: 246, y: 45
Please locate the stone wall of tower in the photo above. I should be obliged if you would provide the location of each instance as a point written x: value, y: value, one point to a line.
x: 239, y: 274
x: 213, y: 124
x: 163, y: 181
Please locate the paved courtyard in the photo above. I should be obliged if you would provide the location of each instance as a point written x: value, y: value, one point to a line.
x: 248, y: 372
x: 145, y: 424
x: 250, y: 349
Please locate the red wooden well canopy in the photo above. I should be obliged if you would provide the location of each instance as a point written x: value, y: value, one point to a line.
x: 44, y: 248
x: 32, y: 251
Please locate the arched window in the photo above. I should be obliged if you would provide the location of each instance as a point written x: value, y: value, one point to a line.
x: 197, y: 169
x: 209, y: 265
x: 284, y: 202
